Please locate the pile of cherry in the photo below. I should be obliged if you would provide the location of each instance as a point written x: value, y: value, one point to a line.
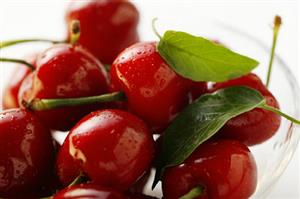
x: 109, y: 150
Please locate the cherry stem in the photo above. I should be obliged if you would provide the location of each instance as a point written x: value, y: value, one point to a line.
x: 80, y: 179
x: 74, y: 31
x: 107, y: 67
x: 277, y: 24
x: 47, y: 197
x: 30, y: 66
x: 48, y: 104
x: 4, y: 44
x: 74, y: 36
x: 194, y: 193
x: 277, y: 111
x: 154, y: 28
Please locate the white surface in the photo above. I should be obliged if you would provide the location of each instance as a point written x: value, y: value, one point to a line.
x: 44, y: 18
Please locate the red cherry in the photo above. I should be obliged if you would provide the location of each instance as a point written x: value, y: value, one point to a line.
x: 89, y: 191
x: 140, y: 196
x: 107, y: 27
x: 65, y: 71
x: 114, y: 148
x: 224, y: 168
x: 26, y: 153
x: 140, y: 185
x: 66, y: 167
x: 49, y: 186
x: 10, y: 97
x: 198, y: 89
x: 257, y: 125
x: 154, y: 91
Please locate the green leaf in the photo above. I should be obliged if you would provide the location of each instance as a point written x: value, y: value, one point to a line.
x: 200, y: 121
x: 199, y: 59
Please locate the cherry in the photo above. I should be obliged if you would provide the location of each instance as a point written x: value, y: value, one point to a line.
x: 66, y: 167
x: 139, y: 196
x: 154, y: 91
x: 26, y: 153
x: 95, y: 191
x: 140, y: 185
x: 10, y: 98
x: 48, y: 187
x: 198, y: 89
x: 64, y: 71
x: 108, y: 27
x: 90, y: 191
x: 257, y: 125
x: 223, y: 168
x: 114, y: 148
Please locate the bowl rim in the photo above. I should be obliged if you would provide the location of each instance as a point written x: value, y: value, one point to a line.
x: 295, y: 87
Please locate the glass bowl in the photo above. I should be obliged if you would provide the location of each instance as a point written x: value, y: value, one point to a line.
x: 272, y: 156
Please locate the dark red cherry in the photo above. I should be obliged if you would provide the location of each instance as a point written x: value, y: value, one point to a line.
x: 154, y: 91
x: 107, y: 27
x: 256, y: 126
x: 140, y: 185
x: 114, y: 148
x: 223, y: 168
x: 65, y: 71
x: 48, y: 186
x: 26, y: 153
x: 139, y: 196
x: 10, y: 97
x: 198, y: 89
x: 93, y: 191
x: 66, y: 167
x: 88, y: 191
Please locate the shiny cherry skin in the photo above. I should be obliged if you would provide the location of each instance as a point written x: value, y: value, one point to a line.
x: 107, y: 27
x: 224, y: 168
x: 26, y: 153
x: 93, y: 191
x: 66, y: 168
x: 139, y: 186
x: 257, y: 125
x: 139, y: 196
x: 198, y: 89
x: 154, y: 91
x: 114, y: 148
x: 65, y: 71
x: 10, y: 97
x: 90, y: 191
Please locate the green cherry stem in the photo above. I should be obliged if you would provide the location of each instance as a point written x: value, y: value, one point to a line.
x: 107, y: 67
x: 277, y: 24
x: 74, y: 31
x: 154, y: 28
x: 4, y: 44
x: 48, y: 104
x: 74, y: 36
x: 80, y: 179
x: 49, y: 197
x: 277, y: 111
x: 30, y: 66
x: 194, y: 193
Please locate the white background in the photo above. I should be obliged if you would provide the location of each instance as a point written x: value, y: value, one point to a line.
x: 44, y: 19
